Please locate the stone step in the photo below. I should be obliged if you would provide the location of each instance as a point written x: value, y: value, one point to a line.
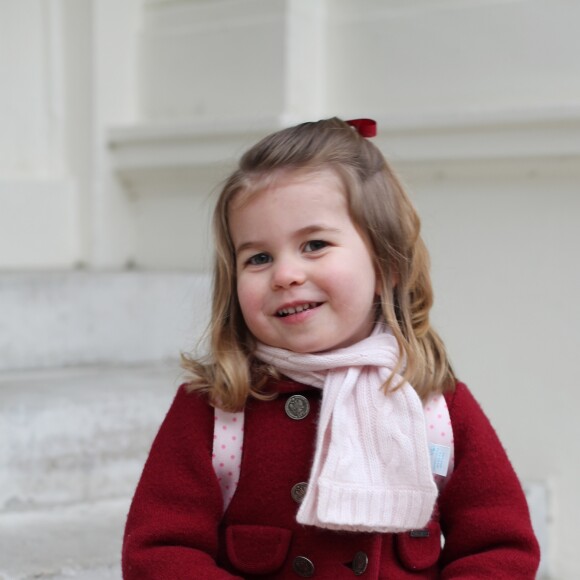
x: 78, y: 435
x: 77, y: 541
x: 72, y: 445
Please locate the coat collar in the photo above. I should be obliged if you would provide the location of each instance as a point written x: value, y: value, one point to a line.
x: 285, y: 385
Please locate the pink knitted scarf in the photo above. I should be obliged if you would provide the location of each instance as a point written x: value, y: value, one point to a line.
x: 371, y: 469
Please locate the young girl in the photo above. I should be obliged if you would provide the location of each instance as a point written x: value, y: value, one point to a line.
x: 362, y: 454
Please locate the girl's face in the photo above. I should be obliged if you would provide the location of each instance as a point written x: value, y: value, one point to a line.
x: 305, y: 276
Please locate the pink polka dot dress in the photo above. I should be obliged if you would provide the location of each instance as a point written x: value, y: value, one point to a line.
x: 228, y: 439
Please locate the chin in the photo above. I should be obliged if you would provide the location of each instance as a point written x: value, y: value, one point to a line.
x: 306, y: 349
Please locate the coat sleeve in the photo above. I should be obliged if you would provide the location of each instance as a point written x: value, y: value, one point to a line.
x: 172, y: 526
x: 484, y: 513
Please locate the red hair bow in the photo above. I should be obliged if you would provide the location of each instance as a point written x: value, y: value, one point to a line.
x: 364, y: 127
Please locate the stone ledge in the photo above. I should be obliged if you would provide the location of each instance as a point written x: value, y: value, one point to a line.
x: 79, y: 434
x: 80, y: 541
x: 183, y: 150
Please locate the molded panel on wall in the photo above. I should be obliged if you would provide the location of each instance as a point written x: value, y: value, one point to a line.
x: 38, y: 224
x: 31, y: 99
x: 443, y: 55
x: 211, y: 60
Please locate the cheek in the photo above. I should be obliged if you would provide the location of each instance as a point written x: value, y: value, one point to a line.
x: 355, y: 280
x: 248, y: 298
x: 243, y: 297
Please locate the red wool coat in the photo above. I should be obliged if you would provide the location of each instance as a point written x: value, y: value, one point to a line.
x: 176, y: 530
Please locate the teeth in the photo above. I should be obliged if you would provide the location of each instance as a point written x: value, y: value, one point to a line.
x: 296, y: 309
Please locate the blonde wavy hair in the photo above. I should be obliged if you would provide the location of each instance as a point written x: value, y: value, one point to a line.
x: 379, y: 207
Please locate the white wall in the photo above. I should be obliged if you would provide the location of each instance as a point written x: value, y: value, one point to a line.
x: 506, y: 305
x: 419, y: 56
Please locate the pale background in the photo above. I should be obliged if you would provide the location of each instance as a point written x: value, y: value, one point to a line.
x: 117, y: 121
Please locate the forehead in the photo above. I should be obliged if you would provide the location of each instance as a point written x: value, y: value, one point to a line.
x: 273, y: 181
x: 289, y: 208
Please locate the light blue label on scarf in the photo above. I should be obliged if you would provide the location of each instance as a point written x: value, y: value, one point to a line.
x: 440, y: 455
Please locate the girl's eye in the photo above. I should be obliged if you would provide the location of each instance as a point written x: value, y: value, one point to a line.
x: 259, y: 260
x: 314, y: 245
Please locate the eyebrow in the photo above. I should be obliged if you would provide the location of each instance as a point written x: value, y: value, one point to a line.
x: 312, y: 229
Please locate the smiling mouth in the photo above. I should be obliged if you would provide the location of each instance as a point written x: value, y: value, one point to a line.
x: 297, y: 309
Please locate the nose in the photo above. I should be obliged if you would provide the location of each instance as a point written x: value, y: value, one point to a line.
x: 286, y: 273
